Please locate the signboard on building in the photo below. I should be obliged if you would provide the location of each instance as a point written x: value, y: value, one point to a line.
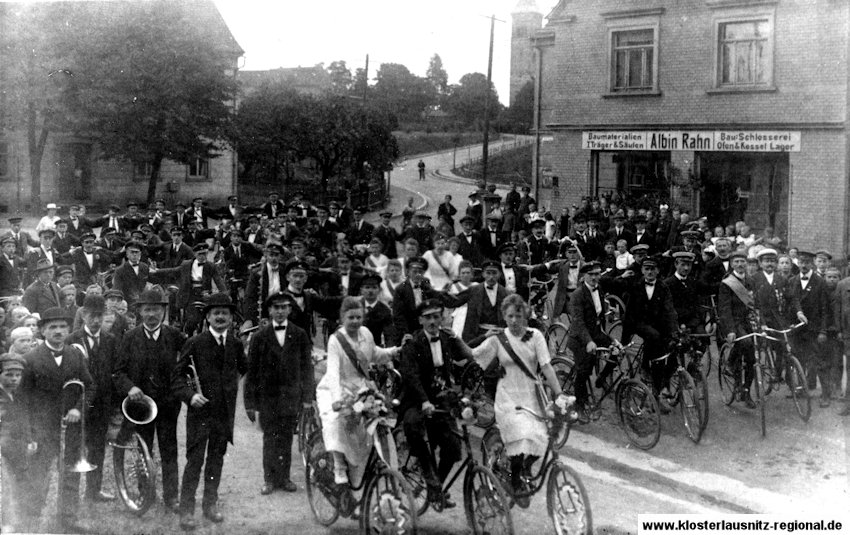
x: 693, y: 140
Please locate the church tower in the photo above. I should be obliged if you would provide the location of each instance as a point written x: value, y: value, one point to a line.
x: 526, y: 19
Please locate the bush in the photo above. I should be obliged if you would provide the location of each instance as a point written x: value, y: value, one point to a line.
x: 413, y: 143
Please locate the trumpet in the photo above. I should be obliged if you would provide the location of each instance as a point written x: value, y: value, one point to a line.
x: 192, y: 379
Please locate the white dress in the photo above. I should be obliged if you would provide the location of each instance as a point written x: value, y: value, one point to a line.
x: 441, y: 273
x: 345, y: 435
x: 521, y: 432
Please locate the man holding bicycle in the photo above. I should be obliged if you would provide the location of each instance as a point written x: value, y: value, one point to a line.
x: 736, y: 316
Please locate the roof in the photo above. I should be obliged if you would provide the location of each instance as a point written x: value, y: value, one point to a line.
x: 313, y: 80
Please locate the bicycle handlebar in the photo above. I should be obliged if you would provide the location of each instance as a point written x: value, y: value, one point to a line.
x: 784, y: 331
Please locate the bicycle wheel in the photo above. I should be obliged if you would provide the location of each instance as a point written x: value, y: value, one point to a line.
x: 556, y: 337
x: 615, y: 330
x: 409, y: 467
x: 135, y: 474
x: 388, y: 505
x: 308, y: 423
x: 702, y: 395
x: 705, y: 362
x: 319, y: 480
x: 616, y: 308
x: 689, y: 404
x: 494, y: 457
x: 487, y: 505
x: 567, y: 501
x: 726, y: 376
x: 563, y: 368
x: 795, y: 377
x: 758, y: 384
x: 769, y: 371
x: 639, y: 414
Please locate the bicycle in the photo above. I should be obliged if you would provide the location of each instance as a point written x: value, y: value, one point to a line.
x: 687, y: 387
x: 567, y: 502
x: 766, y: 375
x: 308, y: 419
x: 386, y: 501
x: 485, y: 502
x: 637, y: 408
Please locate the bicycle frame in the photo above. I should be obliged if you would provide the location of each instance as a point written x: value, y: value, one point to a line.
x: 617, y: 374
x: 537, y: 480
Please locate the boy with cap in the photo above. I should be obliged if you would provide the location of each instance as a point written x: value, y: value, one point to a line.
x: 143, y: 366
x: 10, y: 267
x: 99, y: 349
x: 278, y: 385
x: 21, y: 341
x: 15, y: 444
x: 218, y: 361
x: 48, y: 367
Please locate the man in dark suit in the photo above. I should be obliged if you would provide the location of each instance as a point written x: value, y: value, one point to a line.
x: 515, y: 277
x: 360, y: 232
x: 327, y: 230
x: 810, y: 340
x: 194, y: 279
x: 10, y: 267
x: 447, y: 210
x: 470, y: 248
x: 273, y: 206
x: 23, y: 241
x: 426, y: 370
x: 719, y: 267
x: 175, y: 253
x: 218, y: 359
x: 587, y: 314
x: 43, y: 293
x: 642, y: 235
x: 279, y: 384
x: 736, y: 317
x: 422, y: 232
x: 537, y: 248
x: 388, y: 235
x: 64, y: 241
x: 110, y: 220
x: 238, y: 256
x: 49, y: 366
x: 512, y: 199
x: 143, y: 367
x: 45, y: 250
x: 88, y: 262
x: 233, y: 210
x: 408, y: 296
x: 131, y: 220
x: 379, y: 317
x: 179, y: 216
x: 110, y: 243
x: 620, y: 232
x: 349, y: 280
x: 198, y: 213
x: 650, y: 314
x: 686, y: 292
x: 490, y: 238
x: 484, y: 304
x: 569, y: 274
x: 254, y: 234
x: 99, y: 348
x: 131, y: 276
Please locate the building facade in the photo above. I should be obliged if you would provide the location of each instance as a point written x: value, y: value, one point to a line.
x: 526, y: 20
x: 72, y: 170
x: 732, y: 109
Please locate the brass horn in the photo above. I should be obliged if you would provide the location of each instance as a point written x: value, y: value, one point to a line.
x: 82, y: 465
x: 139, y: 412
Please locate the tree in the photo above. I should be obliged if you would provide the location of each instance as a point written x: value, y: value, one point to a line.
x: 402, y: 92
x: 341, y: 80
x: 519, y: 118
x: 360, y: 85
x: 466, y: 100
x: 436, y: 74
x: 150, y: 87
x: 38, y: 56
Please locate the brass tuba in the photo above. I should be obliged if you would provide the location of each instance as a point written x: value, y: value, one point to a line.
x: 139, y: 412
x: 82, y: 465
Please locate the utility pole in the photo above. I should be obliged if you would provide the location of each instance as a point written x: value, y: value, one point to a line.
x: 486, y: 145
x: 366, y: 79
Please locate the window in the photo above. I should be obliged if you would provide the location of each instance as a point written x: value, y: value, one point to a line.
x: 142, y: 168
x: 4, y: 160
x: 633, y: 60
x: 199, y: 168
x: 745, y: 53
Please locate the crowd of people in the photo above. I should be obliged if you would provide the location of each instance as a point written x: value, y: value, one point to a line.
x: 115, y: 301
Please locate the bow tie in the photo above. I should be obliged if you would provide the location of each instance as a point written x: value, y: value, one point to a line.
x: 134, y: 265
x: 416, y: 287
x: 56, y: 354
x: 804, y: 278
x: 509, y: 266
x: 280, y: 327
x: 434, y: 339
x: 491, y: 287
x: 649, y: 283
x: 296, y: 295
x: 573, y: 266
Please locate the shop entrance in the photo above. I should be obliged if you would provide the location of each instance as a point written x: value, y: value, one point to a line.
x: 743, y: 186
x: 636, y: 177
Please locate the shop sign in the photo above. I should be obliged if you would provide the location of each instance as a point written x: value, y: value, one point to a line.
x: 693, y: 140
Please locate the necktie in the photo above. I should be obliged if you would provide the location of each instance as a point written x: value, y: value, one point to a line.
x: 238, y: 254
x: 220, y: 340
x: 95, y: 344
x: 280, y: 327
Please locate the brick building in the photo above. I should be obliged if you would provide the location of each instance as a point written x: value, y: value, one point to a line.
x: 72, y: 170
x: 735, y: 109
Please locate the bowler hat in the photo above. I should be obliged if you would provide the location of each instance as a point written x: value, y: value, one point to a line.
x: 54, y: 314
x: 153, y: 296
x: 219, y: 300
x: 43, y: 264
x: 94, y: 304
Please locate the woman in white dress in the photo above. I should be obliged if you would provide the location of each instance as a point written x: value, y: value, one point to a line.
x: 345, y: 437
x: 442, y: 264
x: 524, y: 435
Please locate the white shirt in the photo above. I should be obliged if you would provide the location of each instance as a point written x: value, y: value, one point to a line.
x: 197, y: 271
x: 344, y: 280
x: 274, y: 280
x: 152, y: 334
x: 650, y: 290
x: 135, y: 268
x: 89, y: 259
x: 58, y: 359
x: 769, y: 277
x: 510, y: 278
x: 92, y: 338
x: 48, y: 254
x: 220, y: 337
x: 597, y: 302
x: 299, y: 298
x: 281, y: 334
x: 809, y: 276
x: 436, y: 350
x: 572, y: 277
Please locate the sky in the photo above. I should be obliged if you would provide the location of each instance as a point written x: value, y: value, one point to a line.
x: 292, y: 33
